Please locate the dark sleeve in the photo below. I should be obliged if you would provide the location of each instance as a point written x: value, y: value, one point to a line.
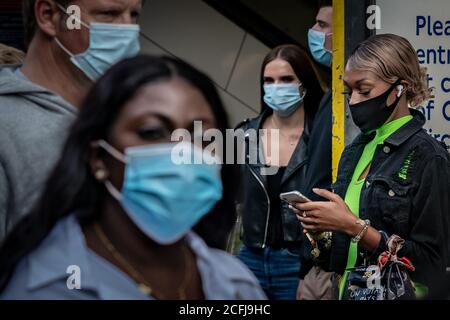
x: 428, y: 243
x: 239, y: 152
x: 319, y: 174
x: 319, y: 169
x: 4, y: 194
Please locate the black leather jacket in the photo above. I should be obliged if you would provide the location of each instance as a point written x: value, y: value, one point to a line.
x: 254, y: 199
x: 407, y: 192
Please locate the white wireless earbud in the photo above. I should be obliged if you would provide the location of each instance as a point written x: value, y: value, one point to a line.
x: 400, y: 90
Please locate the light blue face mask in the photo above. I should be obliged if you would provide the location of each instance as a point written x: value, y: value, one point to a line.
x: 108, y: 44
x: 284, y: 99
x: 316, y: 42
x: 165, y: 200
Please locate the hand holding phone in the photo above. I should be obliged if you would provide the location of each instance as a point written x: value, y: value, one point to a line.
x: 293, y: 197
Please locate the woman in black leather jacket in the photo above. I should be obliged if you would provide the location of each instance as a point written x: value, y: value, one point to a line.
x: 272, y: 235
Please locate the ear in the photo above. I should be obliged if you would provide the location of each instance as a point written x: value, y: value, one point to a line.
x: 401, y: 88
x: 48, y: 16
x: 303, y: 91
x: 96, y: 163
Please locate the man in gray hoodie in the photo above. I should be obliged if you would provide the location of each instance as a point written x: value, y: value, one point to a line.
x: 39, y: 100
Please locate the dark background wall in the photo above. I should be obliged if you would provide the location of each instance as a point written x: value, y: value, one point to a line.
x: 11, y: 27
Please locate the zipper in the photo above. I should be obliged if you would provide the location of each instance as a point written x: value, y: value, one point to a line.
x: 268, y: 206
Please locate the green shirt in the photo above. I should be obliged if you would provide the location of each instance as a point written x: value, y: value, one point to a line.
x: 352, y: 196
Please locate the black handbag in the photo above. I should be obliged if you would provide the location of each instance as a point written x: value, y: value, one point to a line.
x: 387, y: 280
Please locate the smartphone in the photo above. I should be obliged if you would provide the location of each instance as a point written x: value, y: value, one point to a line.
x: 293, y: 197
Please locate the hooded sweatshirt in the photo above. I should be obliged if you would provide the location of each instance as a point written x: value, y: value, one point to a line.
x: 34, y: 123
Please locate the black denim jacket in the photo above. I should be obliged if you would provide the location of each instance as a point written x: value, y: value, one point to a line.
x: 407, y: 192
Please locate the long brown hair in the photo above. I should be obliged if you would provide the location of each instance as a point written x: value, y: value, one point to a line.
x: 302, y: 66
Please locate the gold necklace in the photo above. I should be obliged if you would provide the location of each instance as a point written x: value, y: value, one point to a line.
x: 291, y: 143
x: 143, y: 286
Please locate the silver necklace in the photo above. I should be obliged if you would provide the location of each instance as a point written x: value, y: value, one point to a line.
x: 290, y: 141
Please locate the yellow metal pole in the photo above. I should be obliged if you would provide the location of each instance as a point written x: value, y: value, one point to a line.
x: 338, y: 84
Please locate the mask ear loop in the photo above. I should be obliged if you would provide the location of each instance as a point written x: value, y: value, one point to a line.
x: 70, y: 54
x: 113, y: 191
x: 112, y: 151
x: 118, y: 156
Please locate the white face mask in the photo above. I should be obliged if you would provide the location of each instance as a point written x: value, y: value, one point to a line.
x: 108, y: 44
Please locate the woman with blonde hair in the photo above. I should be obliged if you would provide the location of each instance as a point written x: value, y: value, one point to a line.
x: 394, y: 178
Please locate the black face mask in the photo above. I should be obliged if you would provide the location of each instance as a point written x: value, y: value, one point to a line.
x: 373, y: 113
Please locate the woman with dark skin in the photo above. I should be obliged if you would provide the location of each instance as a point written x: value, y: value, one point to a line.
x: 394, y: 178
x: 139, y: 102
x: 140, y: 124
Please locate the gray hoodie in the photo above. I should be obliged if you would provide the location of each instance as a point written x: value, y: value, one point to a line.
x: 34, y: 123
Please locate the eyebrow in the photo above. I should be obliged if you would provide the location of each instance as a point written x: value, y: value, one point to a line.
x: 161, y: 117
x: 110, y: 6
x: 363, y: 80
x: 321, y: 21
x: 358, y: 82
x: 281, y: 77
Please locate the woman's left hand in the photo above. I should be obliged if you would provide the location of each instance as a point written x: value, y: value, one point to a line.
x: 321, y: 216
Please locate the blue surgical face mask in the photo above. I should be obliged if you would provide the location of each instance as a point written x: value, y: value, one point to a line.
x: 108, y: 44
x: 164, y: 199
x: 316, y: 42
x: 284, y: 99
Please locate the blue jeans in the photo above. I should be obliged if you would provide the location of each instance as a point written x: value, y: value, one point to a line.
x: 276, y: 270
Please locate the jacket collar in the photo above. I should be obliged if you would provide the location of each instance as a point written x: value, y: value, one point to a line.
x: 354, y: 151
x: 66, y: 246
x: 62, y: 248
x: 408, y: 130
